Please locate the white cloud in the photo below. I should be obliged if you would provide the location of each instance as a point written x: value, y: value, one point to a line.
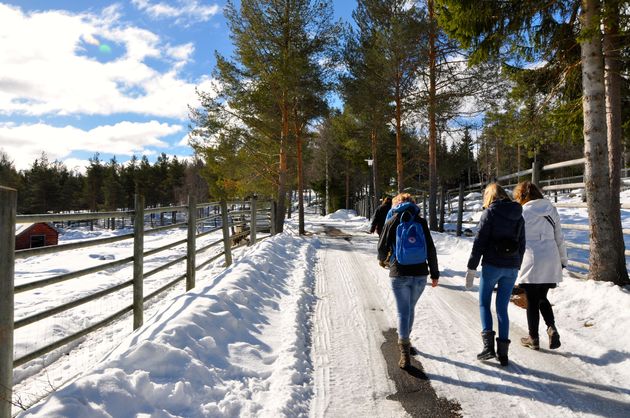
x: 185, y: 12
x: 50, y: 66
x: 185, y: 158
x: 23, y: 143
x: 76, y: 164
x: 184, y: 141
x: 90, y: 39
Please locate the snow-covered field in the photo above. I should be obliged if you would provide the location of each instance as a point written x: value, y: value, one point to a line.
x: 294, y: 328
x: 36, y: 378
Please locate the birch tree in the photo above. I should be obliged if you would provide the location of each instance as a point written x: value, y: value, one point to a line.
x: 527, y: 30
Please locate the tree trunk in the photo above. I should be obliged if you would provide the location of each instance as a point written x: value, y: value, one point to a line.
x: 290, y: 203
x: 596, y: 177
x: 327, y: 200
x: 373, y: 140
x: 300, y: 178
x: 612, y: 79
x: 282, y: 171
x: 348, y: 188
x: 442, y: 207
x: 399, y: 159
x: 433, y: 222
x: 498, y: 156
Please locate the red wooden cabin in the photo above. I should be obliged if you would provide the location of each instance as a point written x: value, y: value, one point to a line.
x: 35, y: 235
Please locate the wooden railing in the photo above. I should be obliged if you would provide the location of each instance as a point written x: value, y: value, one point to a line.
x: 548, y: 186
x: 236, y: 221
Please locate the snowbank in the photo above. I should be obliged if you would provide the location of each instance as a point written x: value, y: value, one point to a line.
x: 343, y: 215
x: 236, y: 347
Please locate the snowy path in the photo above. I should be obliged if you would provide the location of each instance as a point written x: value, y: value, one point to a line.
x: 252, y: 341
x: 355, y: 306
x: 565, y: 382
x: 350, y: 372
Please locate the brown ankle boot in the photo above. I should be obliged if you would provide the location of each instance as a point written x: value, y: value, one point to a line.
x: 530, y: 342
x: 405, y: 356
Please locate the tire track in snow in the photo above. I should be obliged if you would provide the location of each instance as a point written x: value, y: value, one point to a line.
x: 351, y: 375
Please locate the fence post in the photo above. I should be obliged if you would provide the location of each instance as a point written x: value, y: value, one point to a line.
x: 8, y: 203
x: 252, y: 224
x: 226, y: 234
x: 273, y: 209
x: 138, y: 260
x: 460, y: 209
x: 536, y: 166
x: 191, y: 247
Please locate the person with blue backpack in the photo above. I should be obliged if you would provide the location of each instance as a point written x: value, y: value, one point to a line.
x: 407, y: 248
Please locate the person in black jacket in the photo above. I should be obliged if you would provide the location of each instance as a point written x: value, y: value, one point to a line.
x: 378, y: 220
x: 500, y: 242
x: 407, y: 281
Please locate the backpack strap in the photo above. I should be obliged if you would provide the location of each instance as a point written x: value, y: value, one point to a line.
x: 519, y: 228
x: 402, y: 215
x: 551, y: 222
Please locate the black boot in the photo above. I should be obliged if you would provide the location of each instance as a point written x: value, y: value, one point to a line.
x: 554, y: 337
x: 502, y: 351
x: 488, y: 346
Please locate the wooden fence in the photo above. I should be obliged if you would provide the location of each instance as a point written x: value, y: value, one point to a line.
x: 240, y: 223
x: 553, y: 185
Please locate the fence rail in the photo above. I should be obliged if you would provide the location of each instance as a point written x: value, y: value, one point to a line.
x: 240, y: 223
x: 552, y: 185
x: 446, y: 198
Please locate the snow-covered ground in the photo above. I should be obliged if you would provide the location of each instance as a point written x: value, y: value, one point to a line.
x: 294, y: 328
x: 41, y: 376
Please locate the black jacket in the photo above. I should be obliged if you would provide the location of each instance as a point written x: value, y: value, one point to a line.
x: 503, y: 219
x: 387, y: 242
x: 378, y: 220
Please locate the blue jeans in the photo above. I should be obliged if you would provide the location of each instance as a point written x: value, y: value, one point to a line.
x: 505, y: 278
x: 407, y: 291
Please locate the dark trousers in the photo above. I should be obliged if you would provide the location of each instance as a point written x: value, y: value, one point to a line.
x: 537, y: 302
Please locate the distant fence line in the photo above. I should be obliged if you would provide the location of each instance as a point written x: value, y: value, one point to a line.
x: 555, y: 185
x: 237, y: 221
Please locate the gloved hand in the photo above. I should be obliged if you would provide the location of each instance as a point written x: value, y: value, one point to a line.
x: 470, y: 277
x: 383, y: 264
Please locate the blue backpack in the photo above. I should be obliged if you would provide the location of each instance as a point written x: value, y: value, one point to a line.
x: 411, y: 247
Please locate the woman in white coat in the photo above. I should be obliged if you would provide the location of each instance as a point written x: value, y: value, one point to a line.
x: 545, y: 257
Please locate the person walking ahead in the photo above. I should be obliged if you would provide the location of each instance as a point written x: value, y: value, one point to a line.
x: 500, y: 242
x: 545, y: 257
x: 378, y: 220
x: 407, y: 246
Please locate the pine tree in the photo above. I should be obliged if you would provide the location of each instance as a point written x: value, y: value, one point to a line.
x: 128, y: 181
x: 365, y: 87
x: 395, y: 29
x: 9, y: 176
x: 93, y: 189
x: 112, y: 187
x: 539, y: 29
x: 268, y: 86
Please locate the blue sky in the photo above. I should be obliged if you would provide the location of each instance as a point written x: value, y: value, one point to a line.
x: 113, y: 77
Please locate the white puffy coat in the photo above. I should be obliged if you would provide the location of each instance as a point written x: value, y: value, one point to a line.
x: 545, y: 252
